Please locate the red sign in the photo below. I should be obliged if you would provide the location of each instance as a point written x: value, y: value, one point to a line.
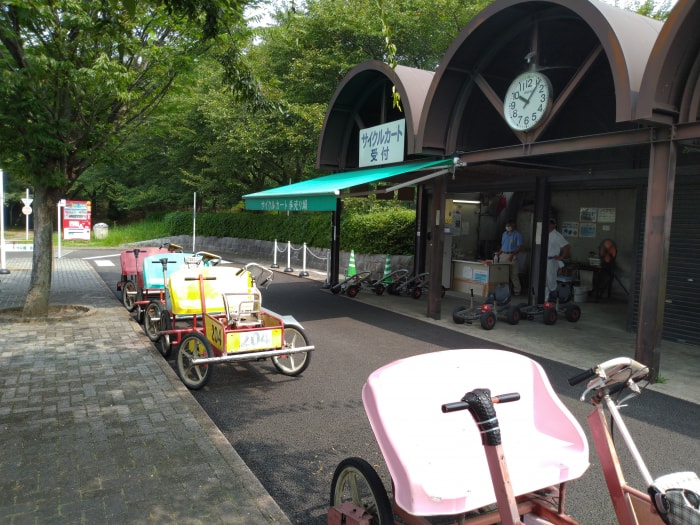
x: 77, y: 220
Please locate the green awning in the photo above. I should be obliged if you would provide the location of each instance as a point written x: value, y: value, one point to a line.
x: 321, y: 194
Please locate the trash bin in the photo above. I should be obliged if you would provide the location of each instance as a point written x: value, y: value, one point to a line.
x: 100, y: 230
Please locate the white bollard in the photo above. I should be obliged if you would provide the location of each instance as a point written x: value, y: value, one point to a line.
x: 303, y: 272
x: 289, y: 257
x: 274, y: 257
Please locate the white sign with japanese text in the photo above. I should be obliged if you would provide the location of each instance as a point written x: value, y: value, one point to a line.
x: 383, y: 144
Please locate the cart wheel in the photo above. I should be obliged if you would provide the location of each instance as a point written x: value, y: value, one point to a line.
x: 417, y: 292
x: 356, y: 481
x: 379, y: 289
x: 163, y: 343
x: 293, y: 364
x: 513, y: 315
x: 457, y: 316
x: 335, y: 289
x: 573, y: 313
x: 353, y: 290
x: 129, y: 295
x: 488, y: 320
x: 193, y: 346
x: 151, y: 319
x: 549, y: 315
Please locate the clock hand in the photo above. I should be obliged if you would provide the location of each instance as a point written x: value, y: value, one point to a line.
x: 532, y: 93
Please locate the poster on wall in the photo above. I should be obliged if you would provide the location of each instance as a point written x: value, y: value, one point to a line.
x: 588, y: 214
x: 587, y: 230
x: 606, y: 215
x: 77, y: 220
x: 569, y: 229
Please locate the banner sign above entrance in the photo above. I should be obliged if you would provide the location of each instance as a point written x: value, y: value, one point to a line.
x: 383, y: 144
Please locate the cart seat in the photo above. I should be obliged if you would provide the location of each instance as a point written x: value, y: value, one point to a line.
x: 153, y: 268
x: 437, y: 461
x: 243, y: 307
x: 182, y: 293
x: 128, y: 259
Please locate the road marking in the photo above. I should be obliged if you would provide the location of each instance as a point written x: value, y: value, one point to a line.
x: 104, y: 263
x: 100, y: 257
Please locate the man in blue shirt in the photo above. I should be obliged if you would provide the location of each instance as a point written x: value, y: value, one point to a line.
x: 511, y: 244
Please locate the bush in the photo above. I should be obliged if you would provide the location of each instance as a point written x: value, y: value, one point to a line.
x: 384, y: 231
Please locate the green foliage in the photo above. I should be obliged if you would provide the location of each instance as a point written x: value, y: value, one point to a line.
x: 390, y: 230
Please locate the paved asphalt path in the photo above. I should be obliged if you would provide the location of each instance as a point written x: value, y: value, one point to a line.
x: 292, y: 432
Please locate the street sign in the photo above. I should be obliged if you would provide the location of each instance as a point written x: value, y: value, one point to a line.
x: 27, y: 210
x: 27, y: 201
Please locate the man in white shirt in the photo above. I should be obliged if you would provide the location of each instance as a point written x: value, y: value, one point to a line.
x: 557, y: 250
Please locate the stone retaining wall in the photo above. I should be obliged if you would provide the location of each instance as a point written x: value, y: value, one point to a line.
x: 263, y: 252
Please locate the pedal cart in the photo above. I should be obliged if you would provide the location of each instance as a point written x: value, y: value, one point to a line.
x: 563, y: 299
x: 155, y: 273
x: 353, y: 284
x: 437, y: 462
x: 497, y: 304
x: 380, y: 285
x: 509, y: 462
x: 131, y: 282
x: 222, y: 307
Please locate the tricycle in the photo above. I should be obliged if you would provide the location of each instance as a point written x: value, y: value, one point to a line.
x: 511, y: 464
x: 221, y: 308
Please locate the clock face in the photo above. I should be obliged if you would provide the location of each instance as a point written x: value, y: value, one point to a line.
x: 527, y: 101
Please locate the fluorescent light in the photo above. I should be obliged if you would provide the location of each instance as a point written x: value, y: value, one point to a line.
x: 458, y: 201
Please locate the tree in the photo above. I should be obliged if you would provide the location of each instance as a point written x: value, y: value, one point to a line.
x: 76, y: 77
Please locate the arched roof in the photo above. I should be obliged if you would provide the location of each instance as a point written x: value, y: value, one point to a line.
x: 671, y: 87
x: 364, y: 99
x: 593, y: 53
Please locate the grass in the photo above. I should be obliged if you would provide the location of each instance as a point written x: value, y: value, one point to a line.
x: 116, y: 236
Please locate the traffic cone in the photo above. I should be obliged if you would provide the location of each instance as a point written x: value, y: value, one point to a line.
x: 351, y: 265
x: 387, y: 267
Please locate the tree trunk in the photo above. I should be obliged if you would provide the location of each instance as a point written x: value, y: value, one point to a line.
x: 37, y: 302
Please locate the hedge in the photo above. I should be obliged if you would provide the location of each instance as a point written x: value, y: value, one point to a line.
x: 386, y: 231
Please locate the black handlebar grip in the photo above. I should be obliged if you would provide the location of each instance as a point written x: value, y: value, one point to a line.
x: 205, y: 278
x: 617, y: 387
x: 454, y: 407
x: 578, y: 378
x: 507, y: 398
x: 483, y: 412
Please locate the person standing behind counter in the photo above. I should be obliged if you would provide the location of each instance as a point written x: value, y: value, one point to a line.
x: 557, y: 250
x: 511, y: 244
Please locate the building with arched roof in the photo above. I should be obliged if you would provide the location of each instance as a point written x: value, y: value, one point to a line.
x: 570, y: 109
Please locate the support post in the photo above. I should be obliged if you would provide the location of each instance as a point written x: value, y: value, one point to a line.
x: 437, y: 246
x: 657, y: 234
x: 3, y: 267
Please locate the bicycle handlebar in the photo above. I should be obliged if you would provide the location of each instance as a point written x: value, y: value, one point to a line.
x: 463, y: 405
x: 612, y: 376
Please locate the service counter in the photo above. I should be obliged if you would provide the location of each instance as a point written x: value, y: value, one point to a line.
x: 479, y: 276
